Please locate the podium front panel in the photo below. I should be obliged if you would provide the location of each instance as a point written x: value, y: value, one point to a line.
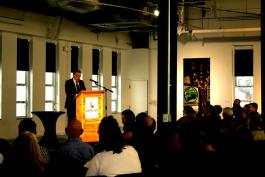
x: 89, y: 111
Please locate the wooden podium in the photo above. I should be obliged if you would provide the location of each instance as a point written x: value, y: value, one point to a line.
x: 89, y: 111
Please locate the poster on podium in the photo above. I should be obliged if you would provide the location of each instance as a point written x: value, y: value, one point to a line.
x: 89, y: 111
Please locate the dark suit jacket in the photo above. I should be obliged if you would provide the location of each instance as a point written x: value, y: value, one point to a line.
x: 71, y: 91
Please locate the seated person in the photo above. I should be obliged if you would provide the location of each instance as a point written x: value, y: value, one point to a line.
x: 24, y: 157
x: 74, y: 149
x: 128, y: 120
x: 73, y: 154
x: 28, y: 124
x: 115, y: 157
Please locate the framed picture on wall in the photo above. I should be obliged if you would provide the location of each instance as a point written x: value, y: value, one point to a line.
x: 196, y: 82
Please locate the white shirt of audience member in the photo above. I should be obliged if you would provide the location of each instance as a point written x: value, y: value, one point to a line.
x: 111, y: 164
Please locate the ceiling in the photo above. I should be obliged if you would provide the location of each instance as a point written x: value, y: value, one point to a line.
x: 98, y: 15
x: 194, y: 17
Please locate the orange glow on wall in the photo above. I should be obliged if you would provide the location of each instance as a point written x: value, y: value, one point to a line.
x: 89, y: 111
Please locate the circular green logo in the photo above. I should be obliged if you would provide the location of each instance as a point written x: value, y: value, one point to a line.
x: 190, y: 94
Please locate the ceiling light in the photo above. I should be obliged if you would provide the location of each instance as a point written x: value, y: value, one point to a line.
x: 156, y: 12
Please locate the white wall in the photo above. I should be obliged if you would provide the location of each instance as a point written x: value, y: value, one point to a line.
x: 137, y: 61
x: 221, y: 70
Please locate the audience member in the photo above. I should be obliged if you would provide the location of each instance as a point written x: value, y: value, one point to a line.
x: 255, y: 117
x: 24, y: 158
x: 128, y: 120
x: 115, y: 157
x: 28, y: 124
x: 237, y: 108
x: 147, y: 143
x: 71, y: 156
x: 74, y: 151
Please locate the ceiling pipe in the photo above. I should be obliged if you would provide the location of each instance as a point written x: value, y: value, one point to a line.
x: 231, y: 30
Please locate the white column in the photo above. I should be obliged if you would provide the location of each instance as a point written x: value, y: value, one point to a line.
x: 37, y: 83
x: 86, y: 57
x: 38, y: 74
x: 8, y: 85
x: 124, y: 80
x: 63, y: 73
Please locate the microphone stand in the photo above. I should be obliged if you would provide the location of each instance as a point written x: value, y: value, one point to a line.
x: 106, y: 96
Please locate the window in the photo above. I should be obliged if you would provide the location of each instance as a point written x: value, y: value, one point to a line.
x: 75, y: 60
x: 50, y: 77
x: 22, y: 81
x: 95, y: 68
x: 243, y: 60
x: 244, y: 89
x: 114, y: 83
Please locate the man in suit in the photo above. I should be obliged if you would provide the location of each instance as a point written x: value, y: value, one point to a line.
x: 72, y: 88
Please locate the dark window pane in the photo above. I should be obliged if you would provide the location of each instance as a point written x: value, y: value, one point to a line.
x: 22, y: 54
x: 95, y: 61
x: 50, y: 57
x: 244, y: 62
x: 114, y: 63
x: 74, y: 58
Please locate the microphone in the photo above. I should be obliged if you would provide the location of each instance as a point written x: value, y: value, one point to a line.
x: 96, y: 82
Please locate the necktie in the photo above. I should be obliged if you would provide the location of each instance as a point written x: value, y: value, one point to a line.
x: 77, y: 87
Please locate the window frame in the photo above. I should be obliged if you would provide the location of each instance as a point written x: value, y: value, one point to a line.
x: 26, y: 102
x: 115, y: 85
x: 52, y: 71
x: 53, y: 86
x: 97, y: 77
x: 243, y: 101
x: 26, y: 84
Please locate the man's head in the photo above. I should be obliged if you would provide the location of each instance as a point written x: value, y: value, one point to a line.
x: 228, y: 112
x: 77, y: 75
x: 253, y: 107
x: 74, y: 129
x: 237, y: 102
x: 27, y: 124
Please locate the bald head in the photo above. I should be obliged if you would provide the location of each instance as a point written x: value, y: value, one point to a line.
x: 74, y: 129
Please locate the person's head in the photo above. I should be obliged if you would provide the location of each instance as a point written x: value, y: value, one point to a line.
x: 77, y: 75
x: 189, y: 113
x: 253, y: 107
x: 145, y: 124
x: 237, y: 102
x: 27, y: 124
x: 110, y: 135
x: 151, y: 124
x: 228, y: 113
x: 74, y: 129
x: 218, y: 109
x: 127, y: 116
x: 208, y: 110
x: 187, y: 109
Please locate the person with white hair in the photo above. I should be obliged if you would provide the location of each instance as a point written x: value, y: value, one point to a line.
x: 228, y: 127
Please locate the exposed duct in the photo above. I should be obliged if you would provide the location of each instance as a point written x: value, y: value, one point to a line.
x: 218, y: 34
x: 79, y: 6
x: 232, y: 30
